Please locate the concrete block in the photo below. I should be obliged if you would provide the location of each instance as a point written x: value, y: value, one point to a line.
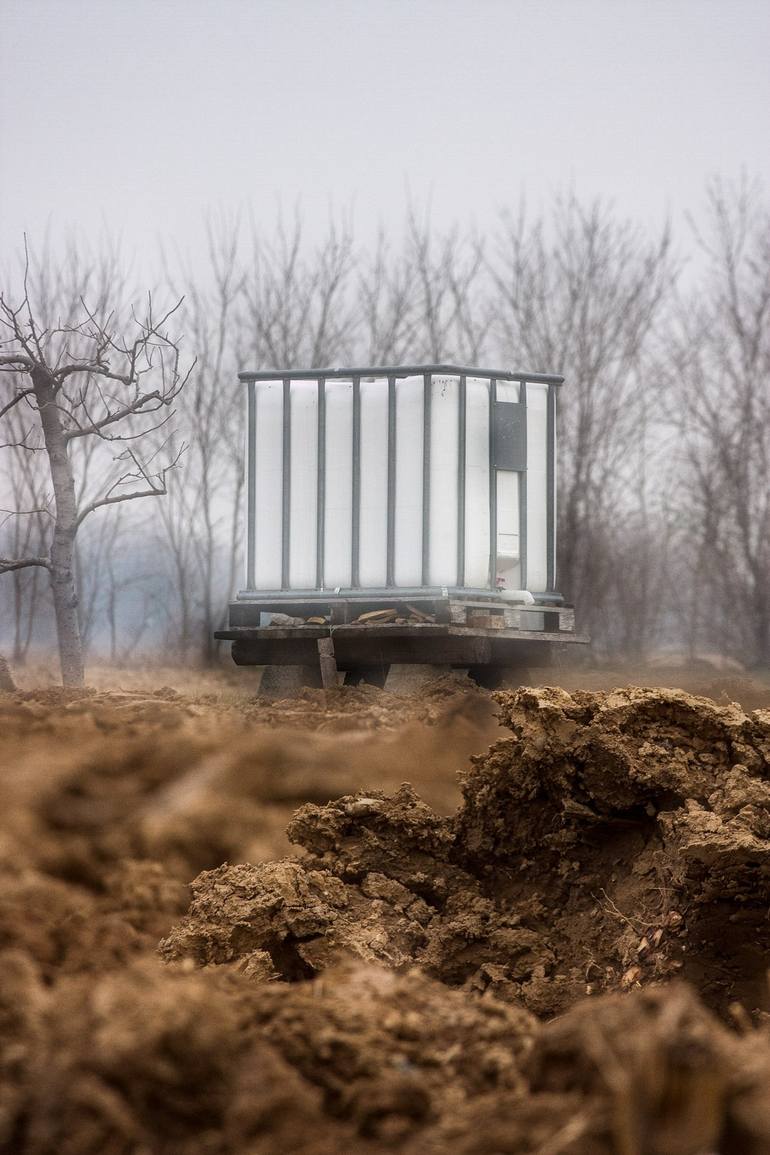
x: 409, y: 679
x: 286, y: 681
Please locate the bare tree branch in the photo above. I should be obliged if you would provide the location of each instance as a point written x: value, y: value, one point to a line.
x: 17, y: 397
x: 156, y: 486
x: 7, y: 564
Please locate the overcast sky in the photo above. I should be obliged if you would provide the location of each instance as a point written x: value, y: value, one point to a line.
x: 140, y: 115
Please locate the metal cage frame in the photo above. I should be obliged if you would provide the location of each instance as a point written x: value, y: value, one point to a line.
x: 507, y: 433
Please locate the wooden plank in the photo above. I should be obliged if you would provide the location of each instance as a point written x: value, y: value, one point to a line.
x: 328, y: 662
x: 567, y: 620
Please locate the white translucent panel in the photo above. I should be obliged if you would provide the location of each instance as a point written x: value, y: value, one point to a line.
x: 373, y: 535
x: 442, y: 548
x: 304, y: 484
x: 508, y: 391
x: 476, y: 482
x: 407, y: 569
x: 269, y: 485
x: 507, y: 512
x: 339, y: 484
x: 537, y: 487
x: 508, y: 575
x: 508, y: 537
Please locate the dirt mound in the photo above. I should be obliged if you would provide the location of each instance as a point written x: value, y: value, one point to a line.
x: 640, y: 820
x: 603, y: 846
x: 83, y: 712
x: 364, y: 1060
x: 504, y: 978
x: 650, y: 1073
x: 439, y: 701
x: 143, y: 1060
x: 393, y: 1052
x: 212, y: 785
x: 379, y: 884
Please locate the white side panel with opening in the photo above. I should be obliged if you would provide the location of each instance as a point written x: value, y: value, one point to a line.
x: 476, y: 482
x: 508, y: 532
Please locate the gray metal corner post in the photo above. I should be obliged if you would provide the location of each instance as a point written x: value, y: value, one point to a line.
x: 427, y: 389
x: 320, y: 537
x: 551, y: 490
x: 251, y: 485
x: 523, y: 498
x: 492, y: 487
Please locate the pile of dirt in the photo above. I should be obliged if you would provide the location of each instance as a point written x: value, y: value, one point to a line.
x: 364, y: 1060
x: 605, y: 845
x: 643, y: 816
x: 92, y: 779
x: 348, y: 708
x: 544, y: 968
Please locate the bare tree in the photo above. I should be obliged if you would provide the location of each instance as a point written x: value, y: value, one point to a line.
x: 295, y: 306
x: 387, y: 326
x: 719, y: 387
x: 24, y: 523
x: 78, y: 379
x: 260, y: 303
x: 6, y: 678
x: 207, y: 491
x: 450, y: 320
x: 582, y: 292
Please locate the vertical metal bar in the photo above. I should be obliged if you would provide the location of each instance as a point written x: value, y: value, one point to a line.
x: 390, y: 580
x: 251, y: 486
x: 286, y: 486
x: 320, y: 525
x: 551, y: 490
x: 492, y: 488
x: 356, y: 515
x: 523, y: 495
x: 426, y: 412
x: 461, y: 422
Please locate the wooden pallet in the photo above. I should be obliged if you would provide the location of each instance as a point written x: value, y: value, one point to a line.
x: 476, y: 614
x: 497, y: 616
x: 421, y: 643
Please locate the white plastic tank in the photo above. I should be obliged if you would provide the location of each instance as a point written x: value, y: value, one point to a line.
x: 400, y: 479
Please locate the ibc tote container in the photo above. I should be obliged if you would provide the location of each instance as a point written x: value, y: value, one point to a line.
x: 369, y: 487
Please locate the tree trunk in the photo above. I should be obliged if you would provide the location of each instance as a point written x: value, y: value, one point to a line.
x: 6, y: 679
x: 65, y: 600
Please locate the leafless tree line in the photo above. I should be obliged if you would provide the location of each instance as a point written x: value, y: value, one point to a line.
x: 664, y: 459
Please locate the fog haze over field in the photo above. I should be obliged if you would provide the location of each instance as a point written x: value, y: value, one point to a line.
x: 320, y: 183
x: 139, y: 116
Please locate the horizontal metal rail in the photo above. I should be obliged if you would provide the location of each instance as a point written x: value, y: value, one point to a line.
x: 391, y: 594
x: 398, y: 371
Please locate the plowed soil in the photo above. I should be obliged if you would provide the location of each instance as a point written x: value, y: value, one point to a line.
x: 352, y: 922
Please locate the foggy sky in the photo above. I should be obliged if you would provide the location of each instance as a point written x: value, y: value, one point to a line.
x: 139, y: 115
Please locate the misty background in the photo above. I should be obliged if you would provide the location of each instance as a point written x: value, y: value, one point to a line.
x: 576, y: 187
